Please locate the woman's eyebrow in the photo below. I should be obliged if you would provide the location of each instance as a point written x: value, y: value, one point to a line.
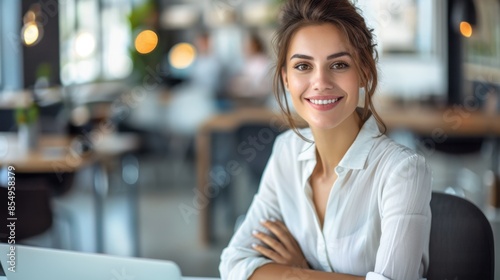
x: 337, y: 55
x: 332, y: 56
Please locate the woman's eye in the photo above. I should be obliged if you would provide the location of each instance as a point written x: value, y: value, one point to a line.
x: 340, y: 66
x: 302, y: 67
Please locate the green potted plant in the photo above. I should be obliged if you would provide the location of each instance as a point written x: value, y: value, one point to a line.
x: 27, y: 124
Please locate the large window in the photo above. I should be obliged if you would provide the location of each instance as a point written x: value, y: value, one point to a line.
x: 1, y: 52
x: 411, y: 44
x: 95, y: 40
x: 116, y: 36
x: 483, y: 47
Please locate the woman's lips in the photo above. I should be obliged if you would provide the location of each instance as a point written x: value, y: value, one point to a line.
x: 324, y: 103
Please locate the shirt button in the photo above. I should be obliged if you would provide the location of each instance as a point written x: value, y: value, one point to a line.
x: 340, y: 169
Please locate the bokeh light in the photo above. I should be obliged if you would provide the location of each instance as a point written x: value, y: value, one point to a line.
x: 146, y: 41
x: 85, y: 44
x: 80, y: 116
x: 182, y: 55
x: 31, y: 34
x: 32, y: 30
x: 465, y: 29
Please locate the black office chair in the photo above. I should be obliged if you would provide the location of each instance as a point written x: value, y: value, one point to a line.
x: 33, y: 210
x: 265, y: 136
x: 35, y: 214
x: 461, y: 241
x: 257, y: 164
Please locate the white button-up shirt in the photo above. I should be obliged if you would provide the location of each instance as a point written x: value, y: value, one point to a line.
x: 377, y: 220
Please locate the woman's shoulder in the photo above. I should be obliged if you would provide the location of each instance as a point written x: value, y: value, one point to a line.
x: 394, y: 153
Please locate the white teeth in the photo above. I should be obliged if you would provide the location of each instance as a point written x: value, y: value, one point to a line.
x: 323, y: 102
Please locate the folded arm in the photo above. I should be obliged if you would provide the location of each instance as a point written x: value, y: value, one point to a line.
x: 288, y: 260
x: 280, y: 271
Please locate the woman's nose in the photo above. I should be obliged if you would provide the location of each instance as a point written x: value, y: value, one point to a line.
x: 322, y: 80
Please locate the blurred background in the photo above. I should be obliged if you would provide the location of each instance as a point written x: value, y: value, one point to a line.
x: 141, y: 127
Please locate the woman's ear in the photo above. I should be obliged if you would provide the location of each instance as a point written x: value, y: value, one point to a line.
x: 363, y: 79
x: 284, y: 77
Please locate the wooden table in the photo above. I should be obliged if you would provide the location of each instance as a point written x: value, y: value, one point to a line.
x: 53, y: 154
x: 452, y: 121
x: 57, y: 154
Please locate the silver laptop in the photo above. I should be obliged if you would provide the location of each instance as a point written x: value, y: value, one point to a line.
x: 26, y: 262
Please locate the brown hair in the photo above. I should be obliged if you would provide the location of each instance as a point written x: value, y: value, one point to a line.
x: 296, y: 14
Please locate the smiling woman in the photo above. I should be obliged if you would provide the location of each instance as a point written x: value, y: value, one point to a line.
x: 338, y: 200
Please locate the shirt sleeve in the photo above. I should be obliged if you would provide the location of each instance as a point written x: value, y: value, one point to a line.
x: 239, y: 260
x: 404, y: 205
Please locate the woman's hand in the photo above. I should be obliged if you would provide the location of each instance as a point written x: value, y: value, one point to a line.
x: 283, y: 249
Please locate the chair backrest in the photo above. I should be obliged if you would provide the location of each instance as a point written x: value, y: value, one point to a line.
x: 33, y: 211
x: 461, y: 241
x: 265, y: 136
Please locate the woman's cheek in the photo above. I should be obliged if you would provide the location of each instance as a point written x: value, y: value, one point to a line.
x: 297, y: 85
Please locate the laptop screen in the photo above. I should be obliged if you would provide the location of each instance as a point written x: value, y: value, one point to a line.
x: 41, y: 263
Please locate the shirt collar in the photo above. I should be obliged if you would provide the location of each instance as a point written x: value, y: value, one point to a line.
x: 357, y: 154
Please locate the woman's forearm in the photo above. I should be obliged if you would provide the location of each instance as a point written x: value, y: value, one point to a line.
x: 278, y: 271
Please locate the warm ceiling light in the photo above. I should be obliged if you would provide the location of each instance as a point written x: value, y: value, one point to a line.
x: 32, y: 31
x: 463, y: 16
x: 182, y: 55
x: 31, y: 34
x: 465, y: 29
x: 146, y: 41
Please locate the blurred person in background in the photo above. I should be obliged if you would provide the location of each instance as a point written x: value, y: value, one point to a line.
x: 252, y: 85
x: 194, y: 101
x: 337, y: 200
x: 207, y: 68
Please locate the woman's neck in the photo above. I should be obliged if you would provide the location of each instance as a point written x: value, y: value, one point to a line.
x: 332, y: 144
